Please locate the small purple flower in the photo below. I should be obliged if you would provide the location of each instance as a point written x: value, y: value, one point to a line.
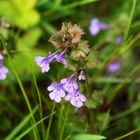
x: 44, y: 62
x: 57, y: 91
x: 76, y: 98
x: 69, y: 84
x: 3, y: 72
x: 119, y: 39
x: 113, y: 67
x: 3, y: 69
x: 96, y: 26
x: 1, y: 57
x: 81, y: 76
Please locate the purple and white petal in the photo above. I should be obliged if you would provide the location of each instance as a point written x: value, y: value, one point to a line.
x: 69, y: 84
x: 3, y: 72
x: 81, y: 76
x: 44, y: 62
x: 1, y: 57
x: 57, y: 92
x: 75, y: 101
x: 61, y: 58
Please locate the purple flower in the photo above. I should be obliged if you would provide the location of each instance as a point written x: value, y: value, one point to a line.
x: 113, y: 67
x: 76, y: 98
x: 81, y: 76
x: 57, y: 91
x: 61, y: 57
x: 44, y: 62
x: 96, y: 26
x: 119, y: 39
x: 69, y: 84
x: 1, y: 57
x: 3, y: 69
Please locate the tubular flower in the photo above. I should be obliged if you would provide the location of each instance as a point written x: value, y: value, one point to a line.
x: 44, y: 62
x: 76, y: 98
x: 70, y: 84
x: 57, y: 91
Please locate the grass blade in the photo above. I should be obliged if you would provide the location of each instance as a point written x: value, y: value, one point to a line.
x: 22, y: 90
x: 32, y: 127
x: 19, y: 127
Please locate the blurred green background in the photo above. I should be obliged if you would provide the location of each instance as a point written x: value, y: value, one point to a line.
x: 112, y: 108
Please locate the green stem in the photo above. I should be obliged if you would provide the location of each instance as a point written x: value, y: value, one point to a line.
x: 63, y: 127
x: 40, y: 102
x: 130, y: 19
x: 49, y: 125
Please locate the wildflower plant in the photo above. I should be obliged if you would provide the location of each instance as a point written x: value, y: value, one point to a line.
x: 72, y: 52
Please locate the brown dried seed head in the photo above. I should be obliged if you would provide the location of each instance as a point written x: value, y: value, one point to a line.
x: 56, y: 39
x: 76, y: 33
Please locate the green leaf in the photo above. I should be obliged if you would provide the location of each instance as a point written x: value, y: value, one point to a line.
x: 88, y: 137
x: 17, y: 13
x: 28, y: 19
x: 81, y: 51
x: 24, y: 6
x: 91, y: 60
x: 95, y: 100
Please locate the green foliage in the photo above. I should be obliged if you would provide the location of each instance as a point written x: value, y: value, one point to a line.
x: 20, y: 13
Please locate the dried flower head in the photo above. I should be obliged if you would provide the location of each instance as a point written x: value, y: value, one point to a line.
x: 75, y: 33
x: 56, y: 39
x: 67, y: 37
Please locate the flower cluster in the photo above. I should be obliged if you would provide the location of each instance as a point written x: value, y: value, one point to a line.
x: 68, y: 88
x: 3, y: 69
x: 69, y: 42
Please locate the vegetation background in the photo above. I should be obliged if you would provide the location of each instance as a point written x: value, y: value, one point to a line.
x: 112, y: 108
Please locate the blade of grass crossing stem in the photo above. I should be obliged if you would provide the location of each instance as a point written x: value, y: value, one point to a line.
x: 19, y: 127
x: 32, y: 127
x: 106, y: 120
x: 35, y: 132
x: 49, y: 125
x: 130, y: 19
x: 39, y: 100
x: 128, y: 134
